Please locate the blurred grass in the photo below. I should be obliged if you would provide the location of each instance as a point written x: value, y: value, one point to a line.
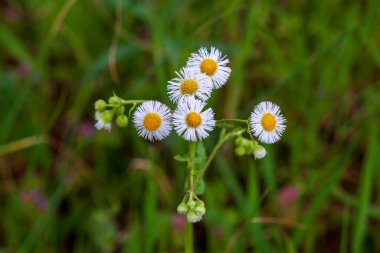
x: 77, y: 190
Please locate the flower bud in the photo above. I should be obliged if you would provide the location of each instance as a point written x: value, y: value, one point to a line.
x: 200, y: 208
x: 106, y: 116
x: 239, y: 141
x: 122, y: 120
x: 114, y: 100
x: 191, y: 203
x: 240, y: 151
x: 259, y: 151
x: 119, y: 110
x: 100, y: 105
x: 192, y: 216
x: 247, y: 145
x: 182, y: 208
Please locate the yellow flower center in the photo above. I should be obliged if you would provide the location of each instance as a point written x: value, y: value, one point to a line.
x: 193, y: 119
x: 268, y: 121
x: 189, y: 87
x: 152, y: 121
x: 208, y: 66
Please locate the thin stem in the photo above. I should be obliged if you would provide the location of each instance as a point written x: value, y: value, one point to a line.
x: 190, y: 164
x: 244, y: 121
x: 189, y: 240
x: 126, y: 102
x: 189, y: 244
x: 212, y: 155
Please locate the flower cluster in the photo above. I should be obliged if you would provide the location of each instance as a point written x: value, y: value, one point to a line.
x: 192, y: 207
x: 190, y: 90
x: 192, y: 120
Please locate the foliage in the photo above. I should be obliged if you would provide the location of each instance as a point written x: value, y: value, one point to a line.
x: 66, y: 189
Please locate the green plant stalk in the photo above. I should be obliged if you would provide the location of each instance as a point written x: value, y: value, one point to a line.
x: 212, y: 155
x: 189, y: 244
x: 189, y: 239
x: 244, y: 121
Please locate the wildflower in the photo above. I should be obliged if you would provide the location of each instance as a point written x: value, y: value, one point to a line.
x: 212, y: 64
x: 152, y: 120
x: 267, y: 122
x: 191, y: 122
x: 103, y: 119
x: 189, y: 83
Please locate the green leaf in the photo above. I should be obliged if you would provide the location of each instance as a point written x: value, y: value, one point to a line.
x: 200, y: 187
x: 181, y: 158
x: 201, y: 157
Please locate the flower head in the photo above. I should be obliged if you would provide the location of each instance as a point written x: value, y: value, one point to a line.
x: 189, y: 83
x: 191, y: 122
x: 152, y: 120
x: 212, y: 64
x: 103, y: 120
x: 267, y: 122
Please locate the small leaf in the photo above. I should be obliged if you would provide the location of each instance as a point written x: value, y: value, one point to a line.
x: 181, y: 158
x: 200, y: 187
x: 200, y: 160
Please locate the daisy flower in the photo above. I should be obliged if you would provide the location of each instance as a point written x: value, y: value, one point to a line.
x: 103, y: 120
x: 212, y: 64
x: 152, y: 120
x: 189, y: 83
x: 267, y: 122
x: 190, y: 122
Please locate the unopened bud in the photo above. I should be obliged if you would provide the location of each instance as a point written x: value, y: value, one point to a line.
x: 122, y: 120
x: 240, y: 151
x: 100, y: 105
x: 259, y: 151
x: 182, y: 208
x: 192, y: 216
x: 191, y: 203
x: 114, y: 100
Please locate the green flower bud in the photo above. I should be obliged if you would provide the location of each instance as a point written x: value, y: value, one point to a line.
x: 239, y: 141
x: 114, y: 100
x: 106, y: 116
x: 240, y: 151
x: 100, y: 105
x: 122, y: 120
x: 247, y: 145
x: 191, y: 203
x: 119, y: 110
x: 200, y: 208
x: 182, y: 208
x: 192, y: 216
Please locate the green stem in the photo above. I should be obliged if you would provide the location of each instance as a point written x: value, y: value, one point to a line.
x: 189, y: 244
x: 190, y: 164
x: 244, y: 121
x: 212, y: 155
x: 189, y: 240
x: 126, y: 102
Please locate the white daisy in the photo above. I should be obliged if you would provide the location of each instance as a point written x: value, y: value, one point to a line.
x: 152, y: 120
x: 267, y: 122
x: 103, y: 120
x: 190, y: 122
x: 212, y: 64
x: 189, y: 83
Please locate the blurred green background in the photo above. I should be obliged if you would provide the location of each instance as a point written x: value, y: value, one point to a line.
x: 68, y: 188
